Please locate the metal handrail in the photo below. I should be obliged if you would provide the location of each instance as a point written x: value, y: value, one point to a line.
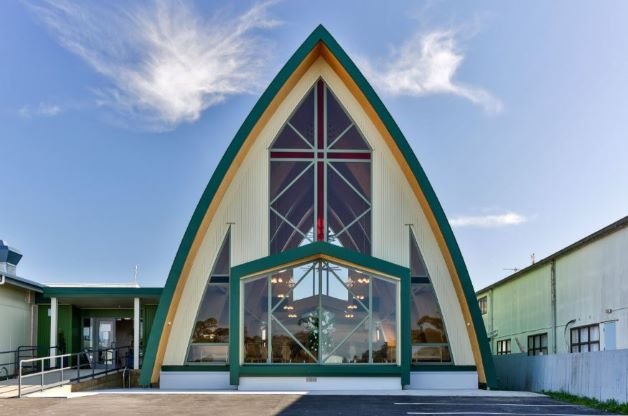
x: 17, y: 354
x: 69, y: 357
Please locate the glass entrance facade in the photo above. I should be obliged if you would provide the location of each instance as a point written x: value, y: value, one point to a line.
x: 320, y: 313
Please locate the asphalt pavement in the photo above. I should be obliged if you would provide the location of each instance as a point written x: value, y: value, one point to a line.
x: 288, y: 405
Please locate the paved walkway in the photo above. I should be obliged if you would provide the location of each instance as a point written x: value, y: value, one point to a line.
x: 31, y: 383
x: 289, y: 405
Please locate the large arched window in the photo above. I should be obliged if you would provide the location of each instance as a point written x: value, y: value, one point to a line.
x: 320, y: 177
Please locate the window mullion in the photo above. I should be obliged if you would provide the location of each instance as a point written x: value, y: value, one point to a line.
x: 320, y: 312
x: 299, y: 134
x: 291, y: 183
x: 370, y: 316
x: 340, y: 136
x: 347, y: 337
x: 269, y: 340
x: 294, y: 338
x: 350, y: 184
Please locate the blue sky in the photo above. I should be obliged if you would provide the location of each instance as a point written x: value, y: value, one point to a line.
x: 113, y: 119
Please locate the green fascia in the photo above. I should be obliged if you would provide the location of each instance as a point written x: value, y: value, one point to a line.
x: 128, y: 292
x: 331, y: 253
x: 320, y: 34
x: 315, y: 249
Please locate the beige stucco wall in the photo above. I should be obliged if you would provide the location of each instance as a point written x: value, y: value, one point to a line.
x: 16, y: 321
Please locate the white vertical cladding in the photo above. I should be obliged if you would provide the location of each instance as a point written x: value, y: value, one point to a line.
x: 54, y: 313
x: 394, y: 206
x: 245, y: 204
x: 591, y: 287
x: 136, y: 333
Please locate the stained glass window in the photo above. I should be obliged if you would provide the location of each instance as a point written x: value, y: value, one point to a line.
x: 320, y: 177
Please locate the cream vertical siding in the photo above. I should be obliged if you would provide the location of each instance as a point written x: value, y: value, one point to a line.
x: 246, y: 204
x: 394, y: 206
x: 522, y: 308
x: 592, y: 288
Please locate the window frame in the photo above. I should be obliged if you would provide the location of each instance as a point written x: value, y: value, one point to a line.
x: 328, y: 164
x: 320, y: 361
x: 425, y: 280
x: 225, y: 278
x: 579, y: 344
x: 503, y: 347
x: 483, y: 305
x: 540, y: 349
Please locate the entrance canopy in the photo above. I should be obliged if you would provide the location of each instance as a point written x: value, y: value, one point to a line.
x: 109, y: 297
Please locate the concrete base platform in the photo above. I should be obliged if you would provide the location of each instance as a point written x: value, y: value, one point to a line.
x: 448, y: 380
x: 319, y: 383
x: 396, y: 393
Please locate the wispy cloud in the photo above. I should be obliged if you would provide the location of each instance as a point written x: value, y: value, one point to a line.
x: 43, y: 109
x: 427, y: 63
x: 488, y: 221
x: 165, y: 62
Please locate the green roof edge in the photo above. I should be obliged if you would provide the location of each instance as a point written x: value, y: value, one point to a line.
x: 83, y: 291
x: 320, y: 34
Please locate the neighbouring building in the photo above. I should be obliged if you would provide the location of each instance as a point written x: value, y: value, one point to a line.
x: 18, y: 310
x: 575, y: 300
x: 318, y: 256
x: 101, y: 321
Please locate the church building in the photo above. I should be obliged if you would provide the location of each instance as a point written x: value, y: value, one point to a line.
x: 318, y: 256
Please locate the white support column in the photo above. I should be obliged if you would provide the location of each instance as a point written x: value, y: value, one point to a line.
x: 53, y: 329
x: 136, y: 333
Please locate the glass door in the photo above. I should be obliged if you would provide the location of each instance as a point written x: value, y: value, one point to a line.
x: 105, y: 336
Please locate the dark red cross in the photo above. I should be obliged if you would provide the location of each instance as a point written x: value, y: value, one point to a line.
x: 320, y: 153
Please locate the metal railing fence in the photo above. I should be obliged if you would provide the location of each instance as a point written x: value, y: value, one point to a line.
x: 99, y: 361
x: 10, y: 359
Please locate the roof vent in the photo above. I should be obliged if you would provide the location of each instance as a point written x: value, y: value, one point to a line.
x: 9, y: 258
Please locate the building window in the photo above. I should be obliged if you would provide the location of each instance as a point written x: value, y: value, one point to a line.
x: 320, y: 313
x: 585, y: 338
x: 320, y: 178
x: 209, y: 342
x: 537, y: 344
x: 503, y: 347
x: 428, y: 335
x: 482, y: 303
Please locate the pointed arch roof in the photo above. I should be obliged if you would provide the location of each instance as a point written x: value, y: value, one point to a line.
x: 321, y: 43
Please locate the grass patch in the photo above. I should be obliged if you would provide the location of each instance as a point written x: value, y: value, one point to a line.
x: 608, y: 406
